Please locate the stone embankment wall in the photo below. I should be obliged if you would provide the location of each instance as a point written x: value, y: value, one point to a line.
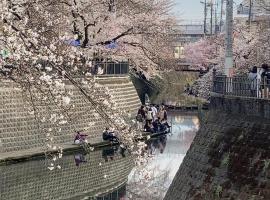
x: 20, y: 131
x: 32, y: 180
x: 230, y: 156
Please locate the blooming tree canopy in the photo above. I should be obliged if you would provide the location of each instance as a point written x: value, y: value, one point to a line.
x: 48, y: 30
x: 203, y: 52
x: 45, y: 43
x: 251, y: 48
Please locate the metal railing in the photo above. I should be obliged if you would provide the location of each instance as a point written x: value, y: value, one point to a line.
x: 242, y: 86
x: 110, y: 68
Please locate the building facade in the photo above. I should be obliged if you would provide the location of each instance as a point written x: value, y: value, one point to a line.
x: 184, y: 33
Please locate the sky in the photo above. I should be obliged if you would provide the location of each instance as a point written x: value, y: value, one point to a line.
x: 192, y: 10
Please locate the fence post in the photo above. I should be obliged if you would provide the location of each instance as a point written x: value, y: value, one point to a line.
x: 127, y: 70
x: 120, y: 67
x: 214, y: 80
x: 265, y: 92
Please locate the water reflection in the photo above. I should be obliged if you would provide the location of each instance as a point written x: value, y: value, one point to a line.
x: 101, y: 174
x: 167, y: 155
x: 118, y: 194
x: 156, y: 144
x: 79, y: 158
x: 109, y: 153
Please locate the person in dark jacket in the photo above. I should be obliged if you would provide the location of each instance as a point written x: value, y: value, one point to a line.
x: 109, y: 136
x: 141, y: 112
x: 148, y: 127
x: 265, y: 77
x: 252, y: 77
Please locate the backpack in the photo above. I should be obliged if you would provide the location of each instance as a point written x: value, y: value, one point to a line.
x: 267, y: 75
x: 149, y: 115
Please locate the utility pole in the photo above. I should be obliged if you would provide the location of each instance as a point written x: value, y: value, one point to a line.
x: 216, y: 22
x: 205, y: 16
x: 211, y: 20
x: 250, y: 12
x: 229, y: 39
x: 221, y: 16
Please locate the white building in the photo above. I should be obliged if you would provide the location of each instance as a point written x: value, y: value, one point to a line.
x: 186, y: 32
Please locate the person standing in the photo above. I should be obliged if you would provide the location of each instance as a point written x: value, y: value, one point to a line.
x: 252, y: 76
x: 162, y: 114
x: 265, y: 80
x: 149, y: 116
x: 140, y: 117
x: 155, y: 111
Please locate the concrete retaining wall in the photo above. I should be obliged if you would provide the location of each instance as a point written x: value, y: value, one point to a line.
x: 32, y: 180
x: 230, y: 155
x: 20, y: 131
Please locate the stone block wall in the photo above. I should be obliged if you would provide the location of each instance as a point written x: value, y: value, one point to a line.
x: 20, y: 131
x: 230, y: 155
x: 32, y: 180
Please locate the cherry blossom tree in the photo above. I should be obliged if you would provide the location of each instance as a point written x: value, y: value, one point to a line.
x: 251, y: 48
x: 50, y: 42
x: 204, y: 52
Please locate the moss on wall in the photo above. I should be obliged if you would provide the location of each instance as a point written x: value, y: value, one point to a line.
x: 173, y: 86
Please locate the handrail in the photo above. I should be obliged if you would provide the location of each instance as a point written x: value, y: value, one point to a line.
x: 242, y: 86
x: 110, y: 68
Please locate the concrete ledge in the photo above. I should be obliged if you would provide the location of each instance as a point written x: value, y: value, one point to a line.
x: 40, y: 151
x: 246, y: 106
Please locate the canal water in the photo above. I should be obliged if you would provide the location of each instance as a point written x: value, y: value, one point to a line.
x: 167, y: 153
x: 105, y: 174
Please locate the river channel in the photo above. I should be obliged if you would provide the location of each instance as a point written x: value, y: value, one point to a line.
x: 104, y: 174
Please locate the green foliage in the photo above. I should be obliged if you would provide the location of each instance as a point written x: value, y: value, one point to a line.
x: 218, y: 191
x: 172, y: 87
x: 225, y: 160
x: 266, y: 165
x: 240, y: 137
x: 253, y: 197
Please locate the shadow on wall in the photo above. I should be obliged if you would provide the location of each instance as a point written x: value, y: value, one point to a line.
x: 168, y: 88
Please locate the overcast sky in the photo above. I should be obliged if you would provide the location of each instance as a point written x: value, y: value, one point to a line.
x: 192, y: 9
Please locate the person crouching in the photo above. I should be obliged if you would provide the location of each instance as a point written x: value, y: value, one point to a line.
x: 109, y: 135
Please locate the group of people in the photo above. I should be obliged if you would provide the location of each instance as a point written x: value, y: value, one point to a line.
x: 152, y: 119
x: 259, y: 81
x: 108, y: 135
